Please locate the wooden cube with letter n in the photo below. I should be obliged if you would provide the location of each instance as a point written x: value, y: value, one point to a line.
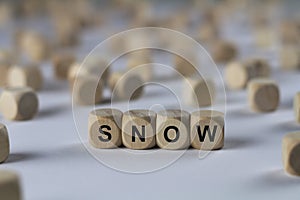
x: 207, y: 130
x: 105, y: 128
x: 138, y: 128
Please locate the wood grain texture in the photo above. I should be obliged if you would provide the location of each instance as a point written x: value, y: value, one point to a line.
x: 18, y: 103
x: 291, y: 153
x: 4, y: 143
x: 105, y: 128
x: 263, y: 95
x: 25, y: 76
x: 173, y: 129
x: 10, y: 188
x: 138, y: 129
x: 207, y: 130
x: 3, y: 74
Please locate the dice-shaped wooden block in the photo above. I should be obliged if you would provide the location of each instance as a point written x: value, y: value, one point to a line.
x: 126, y: 86
x: 25, y: 76
x: 198, y: 92
x: 4, y: 68
x: 290, y: 57
x: 207, y: 130
x: 18, y: 103
x: 5, y: 63
x: 62, y: 63
x: 138, y: 129
x: 87, y: 90
x: 173, y: 129
x: 105, y: 128
x: 291, y: 153
x: 184, y: 67
x: 224, y: 51
x: 297, y: 107
x: 4, y: 143
x: 263, y: 95
x: 34, y: 45
x: 10, y: 185
x: 238, y: 74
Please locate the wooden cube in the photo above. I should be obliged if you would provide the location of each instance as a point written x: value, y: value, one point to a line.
x: 77, y: 69
x: 207, y: 130
x: 10, y: 185
x: 289, y: 32
x: 87, y: 90
x: 173, y: 129
x: 263, y: 95
x: 208, y: 32
x: 3, y: 74
x: 238, y: 74
x: 290, y: 57
x: 126, y: 86
x: 18, y: 103
x: 224, y: 51
x: 138, y: 129
x: 105, y: 128
x: 184, y: 67
x: 67, y: 29
x: 98, y: 66
x: 4, y: 143
x: 62, y: 63
x: 34, y: 45
x: 25, y: 76
x: 291, y: 153
x: 297, y: 107
x: 264, y: 36
x: 198, y: 92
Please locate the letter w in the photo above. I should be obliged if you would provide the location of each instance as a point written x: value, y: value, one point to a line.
x: 207, y: 129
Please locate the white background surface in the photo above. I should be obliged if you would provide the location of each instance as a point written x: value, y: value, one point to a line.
x: 53, y: 163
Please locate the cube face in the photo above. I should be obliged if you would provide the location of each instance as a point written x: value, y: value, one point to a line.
x: 263, y: 95
x: 198, y: 92
x: 62, y: 63
x: 138, y: 129
x: 172, y: 130
x: 4, y: 68
x: 224, y: 51
x: 290, y: 57
x: 105, y: 128
x: 297, y: 107
x: 291, y: 153
x: 207, y: 130
x: 18, y: 103
x: 238, y: 74
x: 28, y: 76
x: 10, y: 186
x: 4, y: 143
